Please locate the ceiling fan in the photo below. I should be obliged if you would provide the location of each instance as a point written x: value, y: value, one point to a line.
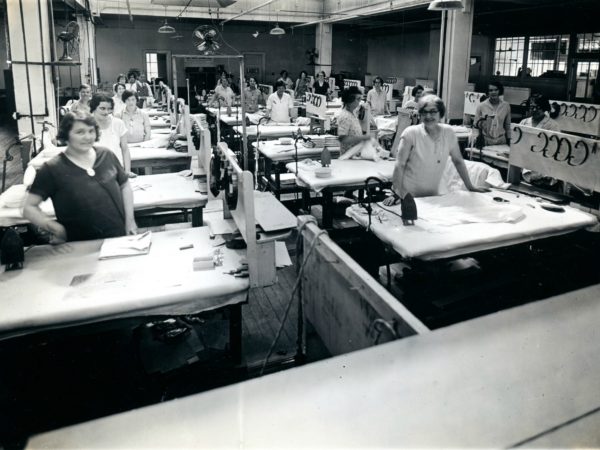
x: 205, y: 39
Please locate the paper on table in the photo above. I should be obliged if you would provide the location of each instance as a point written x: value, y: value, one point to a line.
x: 221, y: 226
x: 282, y: 257
x: 126, y: 246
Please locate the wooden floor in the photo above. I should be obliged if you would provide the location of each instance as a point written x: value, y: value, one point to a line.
x: 262, y: 315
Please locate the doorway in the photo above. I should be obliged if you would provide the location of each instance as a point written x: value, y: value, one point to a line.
x: 584, y: 80
x: 255, y: 65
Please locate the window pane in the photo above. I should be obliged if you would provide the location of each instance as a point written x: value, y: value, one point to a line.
x: 588, y: 42
x: 508, y: 55
x: 547, y: 56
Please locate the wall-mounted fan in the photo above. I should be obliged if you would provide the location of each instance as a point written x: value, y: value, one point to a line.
x: 70, y: 39
x: 205, y: 39
x: 312, y: 55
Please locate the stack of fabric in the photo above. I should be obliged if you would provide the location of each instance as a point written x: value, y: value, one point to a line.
x: 324, y: 140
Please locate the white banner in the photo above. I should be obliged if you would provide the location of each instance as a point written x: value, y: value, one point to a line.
x: 389, y: 90
x: 316, y: 104
x: 559, y: 155
x: 472, y: 99
x: 581, y: 118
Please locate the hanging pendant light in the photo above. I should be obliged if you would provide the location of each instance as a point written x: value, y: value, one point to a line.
x: 277, y: 30
x: 446, y: 5
x: 166, y: 28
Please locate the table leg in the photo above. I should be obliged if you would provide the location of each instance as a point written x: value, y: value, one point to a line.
x: 327, y: 221
x: 197, y: 220
x: 235, y: 332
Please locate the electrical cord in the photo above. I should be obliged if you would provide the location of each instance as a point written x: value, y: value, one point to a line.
x: 292, y: 294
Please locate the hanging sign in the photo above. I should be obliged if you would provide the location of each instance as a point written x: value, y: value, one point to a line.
x: 348, y: 83
x: 389, y: 90
x: 316, y: 104
x: 582, y: 118
x: 472, y: 99
x: 559, y: 155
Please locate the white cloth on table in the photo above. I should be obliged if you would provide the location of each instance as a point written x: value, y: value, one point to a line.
x: 448, y: 232
x: 110, y: 137
x: 343, y: 172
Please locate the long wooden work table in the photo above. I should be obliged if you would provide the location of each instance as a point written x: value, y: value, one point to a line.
x: 527, y: 376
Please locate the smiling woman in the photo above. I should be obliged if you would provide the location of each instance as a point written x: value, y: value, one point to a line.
x: 89, y: 189
x: 423, y: 154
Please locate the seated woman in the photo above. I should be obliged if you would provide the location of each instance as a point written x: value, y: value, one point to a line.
x: 494, y: 114
x: 320, y: 86
x: 117, y: 99
x: 423, y: 154
x: 113, y: 133
x: 302, y: 85
x: 90, y: 191
x: 541, y: 114
x: 83, y: 104
x: 136, y: 121
x: 285, y: 77
x: 349, y: 128
x: 416, y: 93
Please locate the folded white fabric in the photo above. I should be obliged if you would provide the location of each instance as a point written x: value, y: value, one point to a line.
x: 364, y: 150
x: 13, y: 197
x: 481, y: 175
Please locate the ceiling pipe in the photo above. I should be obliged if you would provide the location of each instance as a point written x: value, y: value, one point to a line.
x: 389, y: 8
x: 262, y: 5
x: 129, y: 11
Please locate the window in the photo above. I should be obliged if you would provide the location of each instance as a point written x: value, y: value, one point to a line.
x: 588, y: 43
x: 547, y: 55
x: 508, y: 56
x: 151, y: 66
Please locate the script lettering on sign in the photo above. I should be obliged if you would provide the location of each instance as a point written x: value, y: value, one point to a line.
x: 348, y: 83
x: 389, y: 89
x: 558, y: 155
x: 583, y: 118
x: 316, y: 104
x: 472, y: 99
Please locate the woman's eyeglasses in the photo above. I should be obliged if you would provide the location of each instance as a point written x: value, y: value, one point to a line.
x: 429, y: 111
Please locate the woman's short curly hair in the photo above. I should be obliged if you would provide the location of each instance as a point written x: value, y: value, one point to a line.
x: 99, y: 98
x: 128, y: 93
x: 67, y: 122
x: 349, y: 94
x: 431, y: 99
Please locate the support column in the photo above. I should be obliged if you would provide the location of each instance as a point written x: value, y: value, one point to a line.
x: 455, y: 58
x: 323, y: 45
x: 30, y: 50
x: 87, y: 50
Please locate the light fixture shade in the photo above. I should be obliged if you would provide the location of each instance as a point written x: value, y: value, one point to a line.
x: 166, y: 29
x: 277, y: 30
x: 446, y: 5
